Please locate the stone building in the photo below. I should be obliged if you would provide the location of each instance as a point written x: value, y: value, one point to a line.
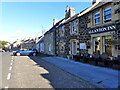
x: 67, y: 34
x: 104, y: 28
x: 40, y: 44
x: 29, y: 43
x: 94, y: 30
x: 49, y: 42
x: 23, y: 43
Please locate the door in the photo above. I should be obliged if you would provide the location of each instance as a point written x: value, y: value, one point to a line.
x: 74, y: 48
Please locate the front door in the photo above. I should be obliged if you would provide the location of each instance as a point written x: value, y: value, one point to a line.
x: 74, y: 48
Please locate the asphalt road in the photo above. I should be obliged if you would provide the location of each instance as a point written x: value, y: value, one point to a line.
x: 32, y: 72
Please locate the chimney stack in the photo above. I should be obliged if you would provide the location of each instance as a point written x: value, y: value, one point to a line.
x: 94, y: 1
x: 69, y: 12
x: 55, y: 21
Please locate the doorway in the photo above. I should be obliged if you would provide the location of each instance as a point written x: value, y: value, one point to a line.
x: 74, y: 48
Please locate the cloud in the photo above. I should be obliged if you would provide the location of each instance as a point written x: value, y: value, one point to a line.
x: 12, y: 36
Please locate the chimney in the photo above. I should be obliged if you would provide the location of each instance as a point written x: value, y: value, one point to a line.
x: 66, y: 9
x: 55, y: 21
x: 72, y: 11
x: 69, y: 12
x: 94, y: 1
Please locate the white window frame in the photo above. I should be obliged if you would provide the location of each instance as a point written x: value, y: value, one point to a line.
x: 98, y: 12
x: 74, y: 26
x: 104, y: 20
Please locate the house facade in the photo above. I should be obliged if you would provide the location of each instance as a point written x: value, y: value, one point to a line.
x: 67, y: 35
x: 40, y: 44
x: 94, y: 30
x: 104, y: 29
x: 49, y: 42
x: 23, y: 43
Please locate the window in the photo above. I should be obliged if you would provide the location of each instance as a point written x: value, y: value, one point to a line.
x: 97, y: 44
x: 62, y: 30
x: 97, y: 18
x: 107, y: 44
x: 74, y: 26
x: 107, y: 14
x: 49, y: 47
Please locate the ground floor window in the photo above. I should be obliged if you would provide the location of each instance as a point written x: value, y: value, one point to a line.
x: 97, y: 44
x: 107, y: 44
x: 103, y: 44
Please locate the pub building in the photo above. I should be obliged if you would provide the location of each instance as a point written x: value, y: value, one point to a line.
x: 95, y: 30
x: 104, y: 29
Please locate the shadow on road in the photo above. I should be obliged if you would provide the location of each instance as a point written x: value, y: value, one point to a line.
x: 57, y: 77
x: 54, y: 76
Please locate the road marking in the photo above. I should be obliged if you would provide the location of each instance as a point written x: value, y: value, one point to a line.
x: 6, y: 86
x: 12, y: 60
x: 10, y: 68
x: 11, y: 63
x: 8, y: 77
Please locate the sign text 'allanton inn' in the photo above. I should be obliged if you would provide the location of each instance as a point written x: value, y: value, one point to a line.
x: 103, y: 29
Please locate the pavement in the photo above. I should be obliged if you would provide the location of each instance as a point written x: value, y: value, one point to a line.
x: 101, y: 76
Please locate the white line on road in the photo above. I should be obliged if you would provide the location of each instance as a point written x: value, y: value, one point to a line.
x: 8, y: 77
x: 10, y: 68
x: 11, y: 63
x: 6, y: 86
x: 12, y: 60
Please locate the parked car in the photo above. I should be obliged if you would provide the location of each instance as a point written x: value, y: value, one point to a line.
x: 26, y: 52
x: 2, y: 50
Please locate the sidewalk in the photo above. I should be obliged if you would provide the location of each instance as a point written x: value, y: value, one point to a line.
x: 104, y: 77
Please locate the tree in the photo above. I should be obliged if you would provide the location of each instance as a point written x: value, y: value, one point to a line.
x: 3, y: 43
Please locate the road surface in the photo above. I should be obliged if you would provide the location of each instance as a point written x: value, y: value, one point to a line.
x: 33, y: 72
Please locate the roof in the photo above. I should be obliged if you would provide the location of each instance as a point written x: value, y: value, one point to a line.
x: 79, y: 14
x: 52, y: 28
x: 89, y: 9
x: 93, y: 7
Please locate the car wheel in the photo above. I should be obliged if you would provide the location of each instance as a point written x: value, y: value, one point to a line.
x: 18, y: 54
x: 34, y: 54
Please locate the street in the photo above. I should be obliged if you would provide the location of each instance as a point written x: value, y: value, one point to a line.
x: 33, y: 72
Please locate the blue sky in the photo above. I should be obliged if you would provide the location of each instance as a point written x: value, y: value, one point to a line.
x: 22, y: 19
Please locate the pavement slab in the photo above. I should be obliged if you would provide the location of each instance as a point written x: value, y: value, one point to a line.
x: 104, y: 77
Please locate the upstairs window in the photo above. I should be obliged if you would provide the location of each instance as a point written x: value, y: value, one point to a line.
x: 107, y: 14
x: 97, y: 18
x: 62, y: 30
x: 74, y: 26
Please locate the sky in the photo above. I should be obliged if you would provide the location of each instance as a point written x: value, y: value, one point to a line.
x: 29, y: 19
